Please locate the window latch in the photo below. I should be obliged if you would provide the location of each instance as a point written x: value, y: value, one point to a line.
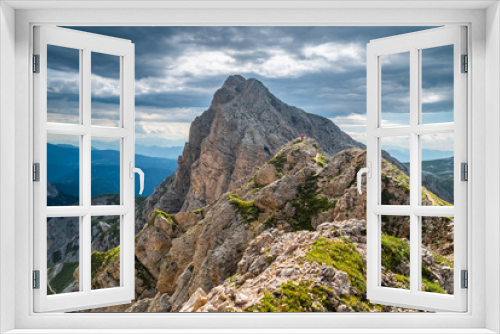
x: 366, y: 170
x: 139, y: 171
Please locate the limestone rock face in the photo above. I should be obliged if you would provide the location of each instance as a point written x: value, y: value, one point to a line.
x: 266, y: 175
x: 243, y: 128
x: 197, y: 300
x: 254, y: 239
x: 150, y: 247
x: 276, y: 259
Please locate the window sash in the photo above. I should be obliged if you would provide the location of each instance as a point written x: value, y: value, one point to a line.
x: 86, y: 297
x: 413, y: 43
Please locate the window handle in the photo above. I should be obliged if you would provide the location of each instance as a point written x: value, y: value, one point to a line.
x: 367, y: 171
x: 141, y: 175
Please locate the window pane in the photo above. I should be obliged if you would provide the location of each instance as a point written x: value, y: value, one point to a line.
x: 437, y: 84
x: 63, y: 254
x: 437, y: 254
x: 105, y: 79
x: 63, y: 85
x: 395, y: 182
x: 105, y: 171
x: 105, y: 259
x: 395, y: 90
x: 63, y: 170
x: 395, y: 252
x: 437, y: 169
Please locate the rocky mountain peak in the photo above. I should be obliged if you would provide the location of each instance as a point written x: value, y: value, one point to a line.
x: 235, y: 83
x: 243, y: 128
x: 237, y: 87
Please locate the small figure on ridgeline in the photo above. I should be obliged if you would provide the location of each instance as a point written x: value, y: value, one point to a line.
x: 302, y: 137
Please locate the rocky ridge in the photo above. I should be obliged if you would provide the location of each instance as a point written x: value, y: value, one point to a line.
x: 243, y: 128
x: 271, y: 235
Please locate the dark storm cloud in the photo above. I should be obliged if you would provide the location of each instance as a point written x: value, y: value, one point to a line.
x: 319, y: 69
x: 153, y: 43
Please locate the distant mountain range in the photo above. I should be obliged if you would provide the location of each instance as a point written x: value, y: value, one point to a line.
x: 404, y: 157
x: 172, y: 152
x: 437, y: 176
x: 63, y: 171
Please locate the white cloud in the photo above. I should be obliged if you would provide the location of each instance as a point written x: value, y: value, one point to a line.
x: 440, y: 142
x: 349, y: 121
x: 333, y: 52
x: 104, y: 87
x: 401, y: 143
x: 359, y: 136
x: 437, y: 94
x: 354, y: 125
x: 153, y: 114
x: 170, y: 131
x: 270, y: 63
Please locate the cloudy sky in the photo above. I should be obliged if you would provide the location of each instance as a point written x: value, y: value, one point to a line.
x: 319, y: 69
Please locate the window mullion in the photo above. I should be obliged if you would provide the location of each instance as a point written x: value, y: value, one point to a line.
x: 415, y: 187
x: 86, y: 173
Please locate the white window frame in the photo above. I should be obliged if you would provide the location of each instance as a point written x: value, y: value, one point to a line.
x: 483, y: 102
x: 413, y: 44
x: 86, y: 44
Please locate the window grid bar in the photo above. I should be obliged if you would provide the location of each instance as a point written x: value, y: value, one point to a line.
x: 416, y: 129
x: 80, y: 130
x: 77, y: 211
x: 406, y: 210
x: 415, y: 184
x: 80, y: 253
x: 85, y: 181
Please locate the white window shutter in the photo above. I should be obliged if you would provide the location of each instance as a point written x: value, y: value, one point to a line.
x: 413, y: 43
x: 86, y: 297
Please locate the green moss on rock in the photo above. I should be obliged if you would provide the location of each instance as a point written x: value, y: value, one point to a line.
x: 100, y: 261
x: 247, y: 209
x: 199, y: 212
x: 394, y: 252
x: 302, y: 296
x: 430, y: 286
x: 279, y: 160
x: 321, y: 160
x: 342, y: 255
x: 308, y: 204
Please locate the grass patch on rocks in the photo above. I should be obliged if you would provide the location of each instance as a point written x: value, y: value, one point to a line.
x: 321, y: 160
x: 279, y: 160
x: 100, y: 261
x: 308, y: 204
x: 302, y: 296
x: 430, y: 286
x: 246, y: 209
x: 394, y: 252
x: 342, y: 255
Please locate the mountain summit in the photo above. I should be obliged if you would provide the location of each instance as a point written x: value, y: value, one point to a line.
x: 243, y: 128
